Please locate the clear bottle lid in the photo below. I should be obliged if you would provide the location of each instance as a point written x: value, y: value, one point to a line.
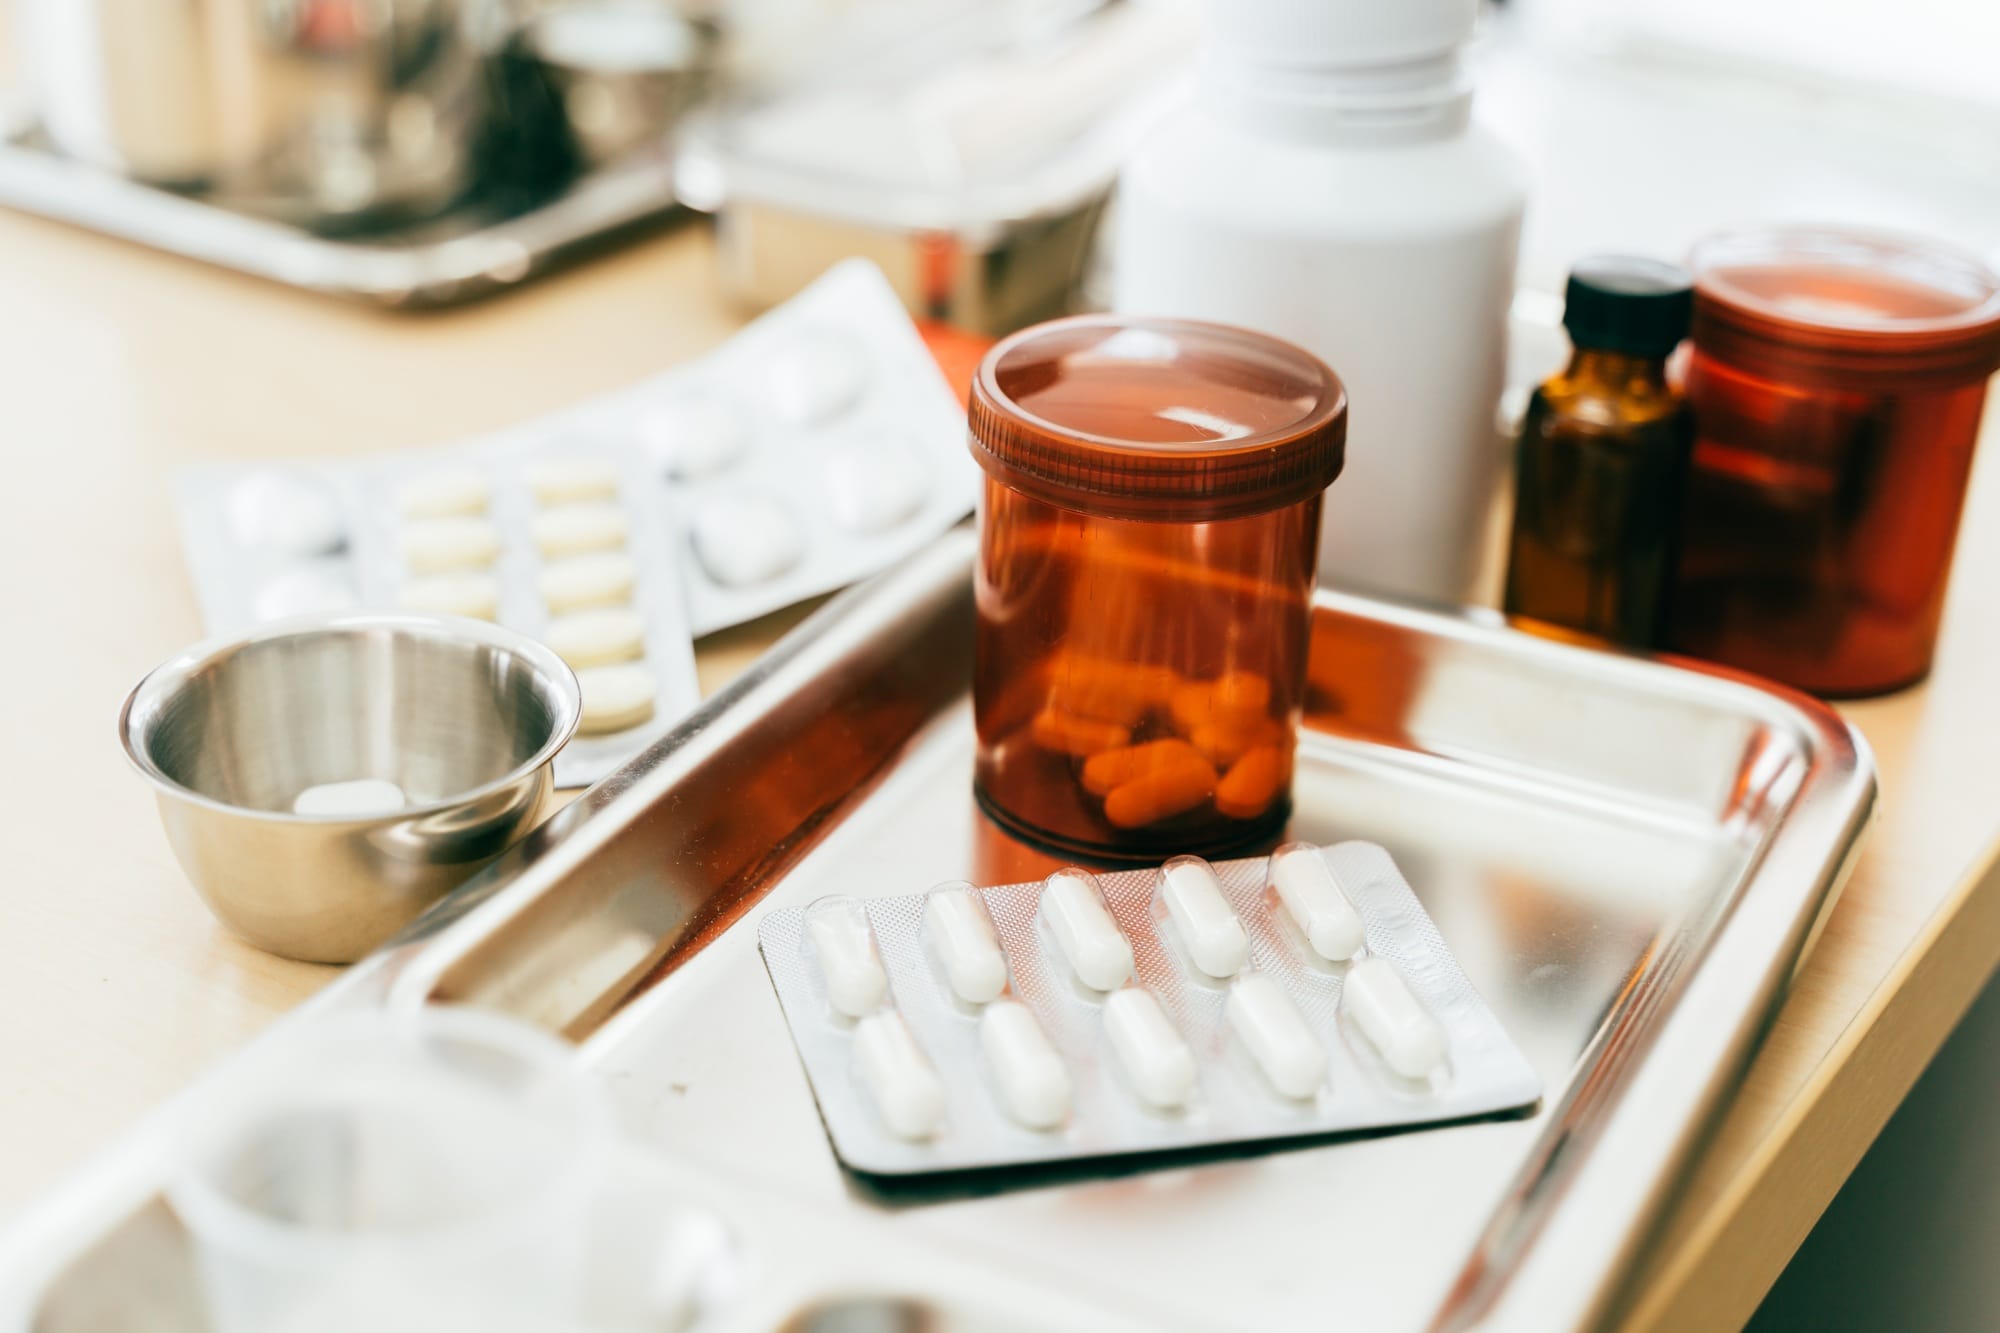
x: 1158, y: 419
x: 1846, y: 310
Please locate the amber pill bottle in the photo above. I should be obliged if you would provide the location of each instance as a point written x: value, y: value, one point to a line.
x: 1149, y: 530
x: 1837, y: 381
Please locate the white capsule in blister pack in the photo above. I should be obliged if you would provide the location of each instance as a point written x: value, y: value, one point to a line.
x: 1407, y: 1037
x: 1311, y: 896
x: 900, y: 1079
x: 1202, y: 918
x: 1084, y: 1015
x: 1085, y: 930
x: 1025, y: 1067
x: 967, y: 946
x: 1276, y: 1035
x: 1156, y: 1058
x: 849, y: 964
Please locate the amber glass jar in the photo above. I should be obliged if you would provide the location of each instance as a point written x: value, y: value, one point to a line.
x: 1149, y: 528
x: 1837, y: 381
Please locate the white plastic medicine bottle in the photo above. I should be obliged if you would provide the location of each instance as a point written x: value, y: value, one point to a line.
x: 1325, y: 184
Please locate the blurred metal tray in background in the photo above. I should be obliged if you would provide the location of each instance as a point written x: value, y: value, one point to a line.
x: 468, y: 253
x: 1629, y: 860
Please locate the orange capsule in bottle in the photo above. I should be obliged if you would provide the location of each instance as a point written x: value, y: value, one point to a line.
x: 1066, y: 733
x: 1149, y: 526
x: 1253, y: 782
x: 1102, y: 773
x: 1165, y: 790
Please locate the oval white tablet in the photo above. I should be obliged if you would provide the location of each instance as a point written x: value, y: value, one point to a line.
x: 873, y: 487
x: 1034, y: 1086
x: 1270, y: 1026
x: 444, y: 493
x: 850, y: 964
x: 816, y: 378
x: 1157, y: 1060
x: 960, y: 929
x: 466, y: 592
x: 1311, y: 896
x: 557, y: 481
x: 1208, y: 929
x: 1085, y: 931
x: 435, y: 545
x: 596, y: 637
x: 280, y: 511
x: 899, y: 1077
x: 1411, y: 1041
x: 615, y: 698
x: 745, y: 539
x: 601, y: 578
x: 359, y: 798
x: 571, y: 529
x: 315, y: 589
x: 695, y: 438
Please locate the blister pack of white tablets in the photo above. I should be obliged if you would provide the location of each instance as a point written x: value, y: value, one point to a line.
x: 818, y: 445
x: 552, y: 538
x: 1097, y: 1015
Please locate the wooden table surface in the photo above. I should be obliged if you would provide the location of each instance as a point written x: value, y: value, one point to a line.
x: 116, y: 987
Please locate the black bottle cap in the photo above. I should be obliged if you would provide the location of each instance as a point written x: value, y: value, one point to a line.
x: 1619, y: 303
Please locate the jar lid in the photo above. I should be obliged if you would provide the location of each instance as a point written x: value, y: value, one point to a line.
x: 1844, y: 309
x: 1168, y: 420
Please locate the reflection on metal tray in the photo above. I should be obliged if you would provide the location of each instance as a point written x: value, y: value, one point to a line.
x: 465, y: 254
x: 1628, y: 860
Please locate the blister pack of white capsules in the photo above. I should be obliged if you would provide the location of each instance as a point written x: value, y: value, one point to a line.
x: 1098, y: 1015
x: 818, y: 445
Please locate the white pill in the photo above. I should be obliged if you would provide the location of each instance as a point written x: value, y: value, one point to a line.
x: 355, y: 799
x: 873, y: 487
x: 557, y: 481
x: 615, y: 698
x: 436, y: 545
x: 466, y: 592
x: 1089, y: 938
x: 1269, y: 1024
x: 1033, y: 1084
x: 816, y: 378
x: 602, y: 578
x: 745, y: 539
x: 597, y: 637
x: 1311, y: 896
x: 1209, y: 931
x: 1410, y: 1040
x: 1156, y: 1059
x: 959, y: 928
x: 445, y: 493
x: 844, y: 944
x: 278, y: 511
x: 898, y: 1075
x: 315, y: 589
x: 696, y: 437
x: 571, y: 529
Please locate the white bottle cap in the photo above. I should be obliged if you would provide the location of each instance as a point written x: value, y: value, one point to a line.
x: 1337, y: 33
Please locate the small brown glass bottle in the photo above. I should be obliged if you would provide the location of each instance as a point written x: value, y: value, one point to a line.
x: 1603, y: 461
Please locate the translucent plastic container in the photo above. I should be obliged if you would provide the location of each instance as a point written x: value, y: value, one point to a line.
x: 1149, y: 528
x: 1837, y: 381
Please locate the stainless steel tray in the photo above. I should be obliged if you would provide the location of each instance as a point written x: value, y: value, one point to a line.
x: 463, y: 255
x: 1628, y: 858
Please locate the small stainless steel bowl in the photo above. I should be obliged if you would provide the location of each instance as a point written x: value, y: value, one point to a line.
x: 464, y: 716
